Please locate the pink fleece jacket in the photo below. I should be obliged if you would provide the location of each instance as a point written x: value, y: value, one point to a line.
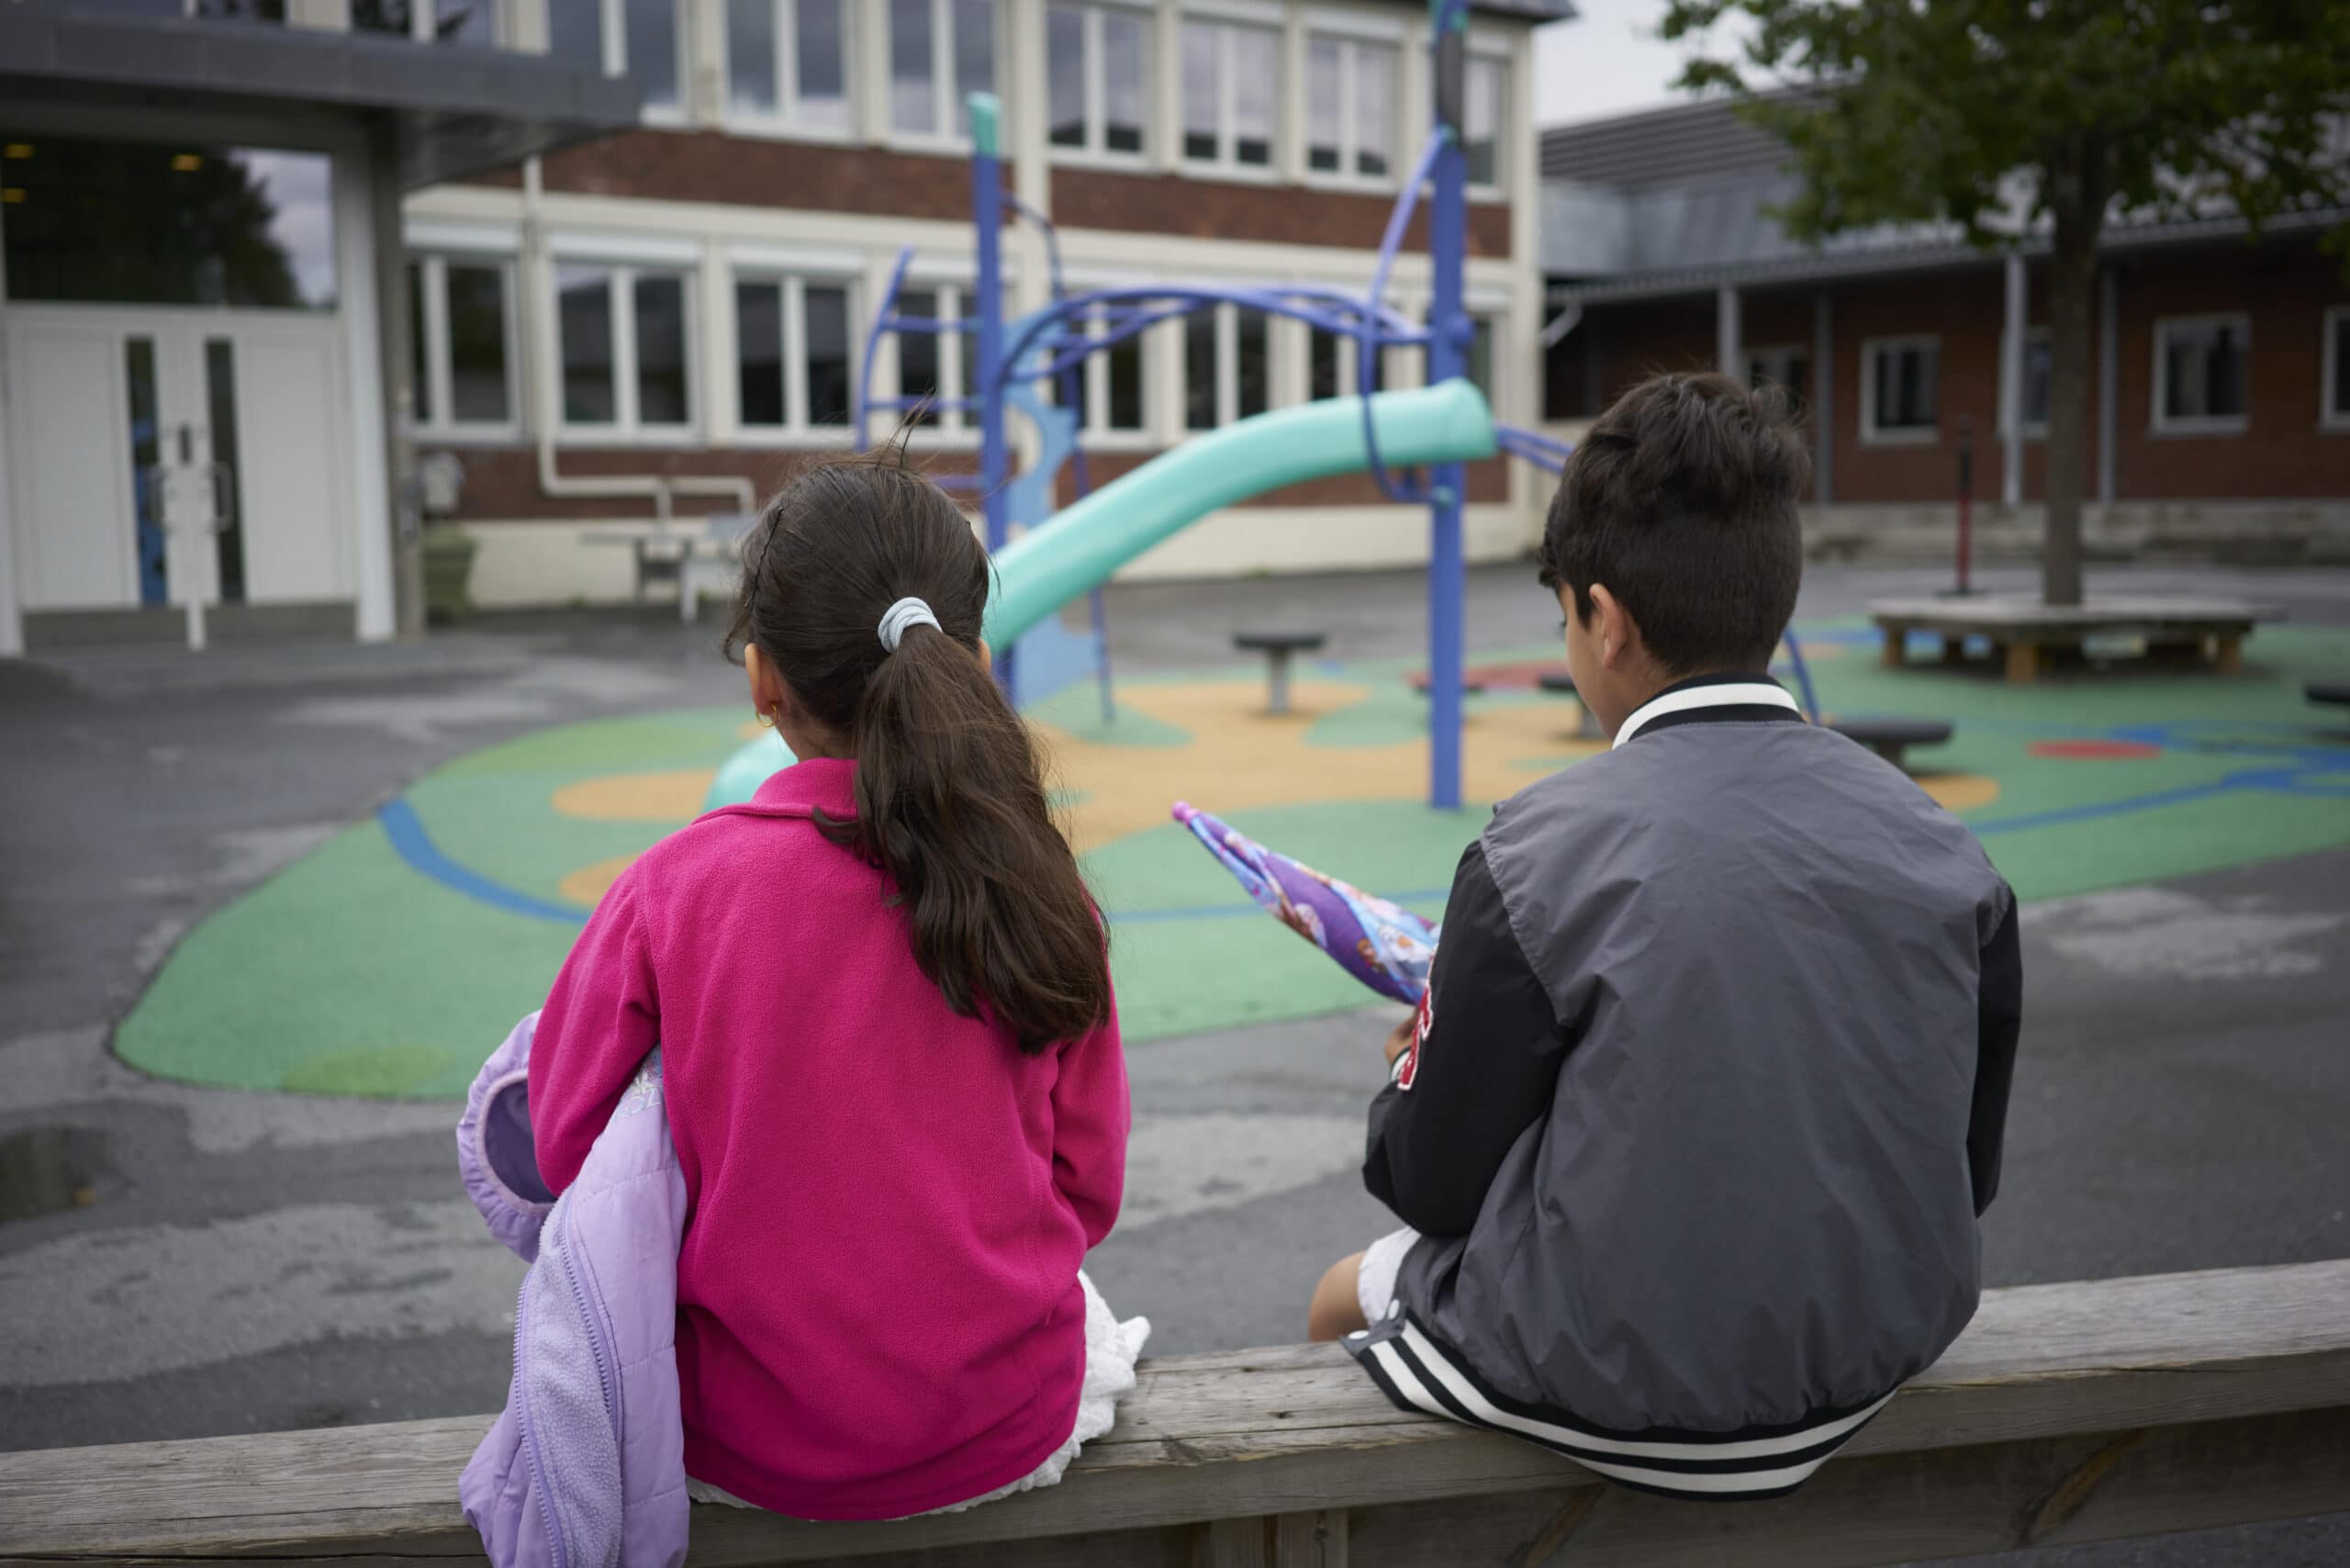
x: 878, y: 1305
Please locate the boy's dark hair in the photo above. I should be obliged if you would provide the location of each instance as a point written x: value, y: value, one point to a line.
x: 950, y: 792
x: 1682, y: 500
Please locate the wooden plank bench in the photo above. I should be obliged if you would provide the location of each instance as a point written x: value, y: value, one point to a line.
x: 2066, y: 1412
x: 2020, y: 628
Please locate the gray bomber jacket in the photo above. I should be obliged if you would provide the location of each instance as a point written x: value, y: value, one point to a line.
x: 1706, y: 1099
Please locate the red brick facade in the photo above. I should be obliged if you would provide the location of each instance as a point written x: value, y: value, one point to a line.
x: 711, y: 166
x: 1225, y: 209
x: 2284, y: 287
x: 743, y: 171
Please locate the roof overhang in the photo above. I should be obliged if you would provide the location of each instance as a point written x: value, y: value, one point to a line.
x: 1926, y: 256
x: 456, y: 110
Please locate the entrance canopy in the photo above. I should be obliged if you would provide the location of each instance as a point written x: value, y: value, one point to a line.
x: 457, y: 111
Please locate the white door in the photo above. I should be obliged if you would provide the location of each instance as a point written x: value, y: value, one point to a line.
x: 160, y: 453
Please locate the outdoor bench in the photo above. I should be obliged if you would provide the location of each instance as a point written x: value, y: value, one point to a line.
x: 2065, y: 1413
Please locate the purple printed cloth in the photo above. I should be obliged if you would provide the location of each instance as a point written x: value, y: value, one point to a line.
x: 1380, y: 943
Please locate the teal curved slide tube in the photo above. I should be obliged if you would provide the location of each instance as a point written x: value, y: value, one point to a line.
x: 1075, y: 551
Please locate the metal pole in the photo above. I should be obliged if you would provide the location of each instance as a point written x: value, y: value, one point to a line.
x: 2011, y: 387
x: 1966, y: 501
x: 1447, y: 340
x: 1729, y: 353
x: 986, y: 386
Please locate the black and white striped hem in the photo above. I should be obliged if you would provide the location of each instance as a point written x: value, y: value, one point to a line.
x: 1420, y: 1374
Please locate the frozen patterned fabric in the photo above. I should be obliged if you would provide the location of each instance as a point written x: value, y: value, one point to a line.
x: 1380, y: 943
x: 585, y: 1468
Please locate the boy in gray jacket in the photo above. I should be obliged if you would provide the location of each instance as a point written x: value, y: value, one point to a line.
x: 1692, y: 1131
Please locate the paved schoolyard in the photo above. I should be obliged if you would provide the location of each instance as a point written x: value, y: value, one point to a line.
x: 209, y: 1259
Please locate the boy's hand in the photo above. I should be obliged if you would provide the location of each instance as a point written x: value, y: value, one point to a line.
x: 1401, y: 1040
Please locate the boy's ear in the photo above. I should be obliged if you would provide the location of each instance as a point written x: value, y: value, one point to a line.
x: 1613, y: 627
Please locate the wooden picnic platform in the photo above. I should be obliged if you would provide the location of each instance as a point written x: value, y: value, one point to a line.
x: 2019, y: 628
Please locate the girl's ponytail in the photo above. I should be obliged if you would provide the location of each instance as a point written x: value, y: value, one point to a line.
x: 950, y: 793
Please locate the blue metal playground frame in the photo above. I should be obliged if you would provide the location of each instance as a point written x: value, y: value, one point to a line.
x: 1048, y: 348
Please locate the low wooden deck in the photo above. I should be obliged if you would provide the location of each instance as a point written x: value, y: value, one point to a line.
x: 2019, y: 628
x: 2065, y: 1413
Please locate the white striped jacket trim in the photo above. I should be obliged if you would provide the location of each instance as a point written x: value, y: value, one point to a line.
x: 1609, y: 1456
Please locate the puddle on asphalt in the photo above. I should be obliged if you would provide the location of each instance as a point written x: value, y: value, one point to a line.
x: 48, y: 1170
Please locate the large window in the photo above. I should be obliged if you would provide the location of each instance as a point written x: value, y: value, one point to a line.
x: 1484, y: 119
x: 787, y: 65
x: 2200, y: 373
x: 1331, y: 366
x: 1097, y: 67
x: 2035, y: 385
x: 642, y: 39
x: 1227, y: 365
x: 1231, y: 81
x: 792, y: 348
x: 626, y: 347
x: 1478, y: 365
x: 1785, y: 366
x: 166, y: 223
x: 940, y: 51
x: 1351, y: 103
x: 1899, y: 379
x: 463, y: 321
x: 2333, y: 406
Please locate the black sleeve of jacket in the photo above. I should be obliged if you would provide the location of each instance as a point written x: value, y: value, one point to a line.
x: 1488, y: 1061
x: 1999, y: 1013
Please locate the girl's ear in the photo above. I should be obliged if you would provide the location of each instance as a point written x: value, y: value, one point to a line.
x: 986, y: 655
x: 771, y: 698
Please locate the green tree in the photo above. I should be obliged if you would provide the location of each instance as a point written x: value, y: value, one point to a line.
x: 2000, y: 113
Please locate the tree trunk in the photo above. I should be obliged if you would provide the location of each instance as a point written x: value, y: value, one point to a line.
x: 2077, y: 191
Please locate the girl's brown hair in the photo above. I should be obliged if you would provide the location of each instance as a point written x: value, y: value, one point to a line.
x: 950, y: 792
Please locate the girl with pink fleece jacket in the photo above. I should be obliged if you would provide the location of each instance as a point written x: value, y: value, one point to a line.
x: 889, y: 1046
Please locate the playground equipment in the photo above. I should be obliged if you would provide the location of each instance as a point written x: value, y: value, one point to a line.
x: 1413, y: 443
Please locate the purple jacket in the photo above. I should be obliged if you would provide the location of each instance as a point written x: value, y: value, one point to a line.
x: 584, y: 1467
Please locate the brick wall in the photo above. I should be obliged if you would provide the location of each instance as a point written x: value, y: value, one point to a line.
x: 2285, y: 286
x: 707, y: 165
x: 1214, y: 209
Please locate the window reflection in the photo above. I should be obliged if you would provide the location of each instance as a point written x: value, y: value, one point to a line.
x: 141, y: 223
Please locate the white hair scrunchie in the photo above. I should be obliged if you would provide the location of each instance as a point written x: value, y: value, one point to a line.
x: 901, y: 616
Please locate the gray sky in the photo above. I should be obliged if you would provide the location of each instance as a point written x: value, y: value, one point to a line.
x: 1607, y: 62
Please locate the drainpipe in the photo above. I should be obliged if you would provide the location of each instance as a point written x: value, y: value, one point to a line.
x: 662, y: 489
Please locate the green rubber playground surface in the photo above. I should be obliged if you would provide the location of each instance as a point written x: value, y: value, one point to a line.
x: 393, y: 959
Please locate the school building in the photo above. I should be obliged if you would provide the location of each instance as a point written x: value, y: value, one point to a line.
x: 2220, y: 371
x: 668, y: 318
x: 202, y: 321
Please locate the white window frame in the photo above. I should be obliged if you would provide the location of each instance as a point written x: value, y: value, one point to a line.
x: 953, y: 426
x: 425, y: 18
x: 797, y: 429
x: 1777, y: 355
x: 626, y: 429
x: 1095, y: 423
x: 1228, y: 369
x: 1225, y: 164
x: 2199, y: 424
x: 1905, y: 435
x: 1352, y: 41
x: 1497, y: 188
x: 785, y: 122
x: 2330, y: 418
x: 944, y: 108
x: 615, y: 18
x: 432, y: 334
x: 1095, y: 151
x: 2033, y: 429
